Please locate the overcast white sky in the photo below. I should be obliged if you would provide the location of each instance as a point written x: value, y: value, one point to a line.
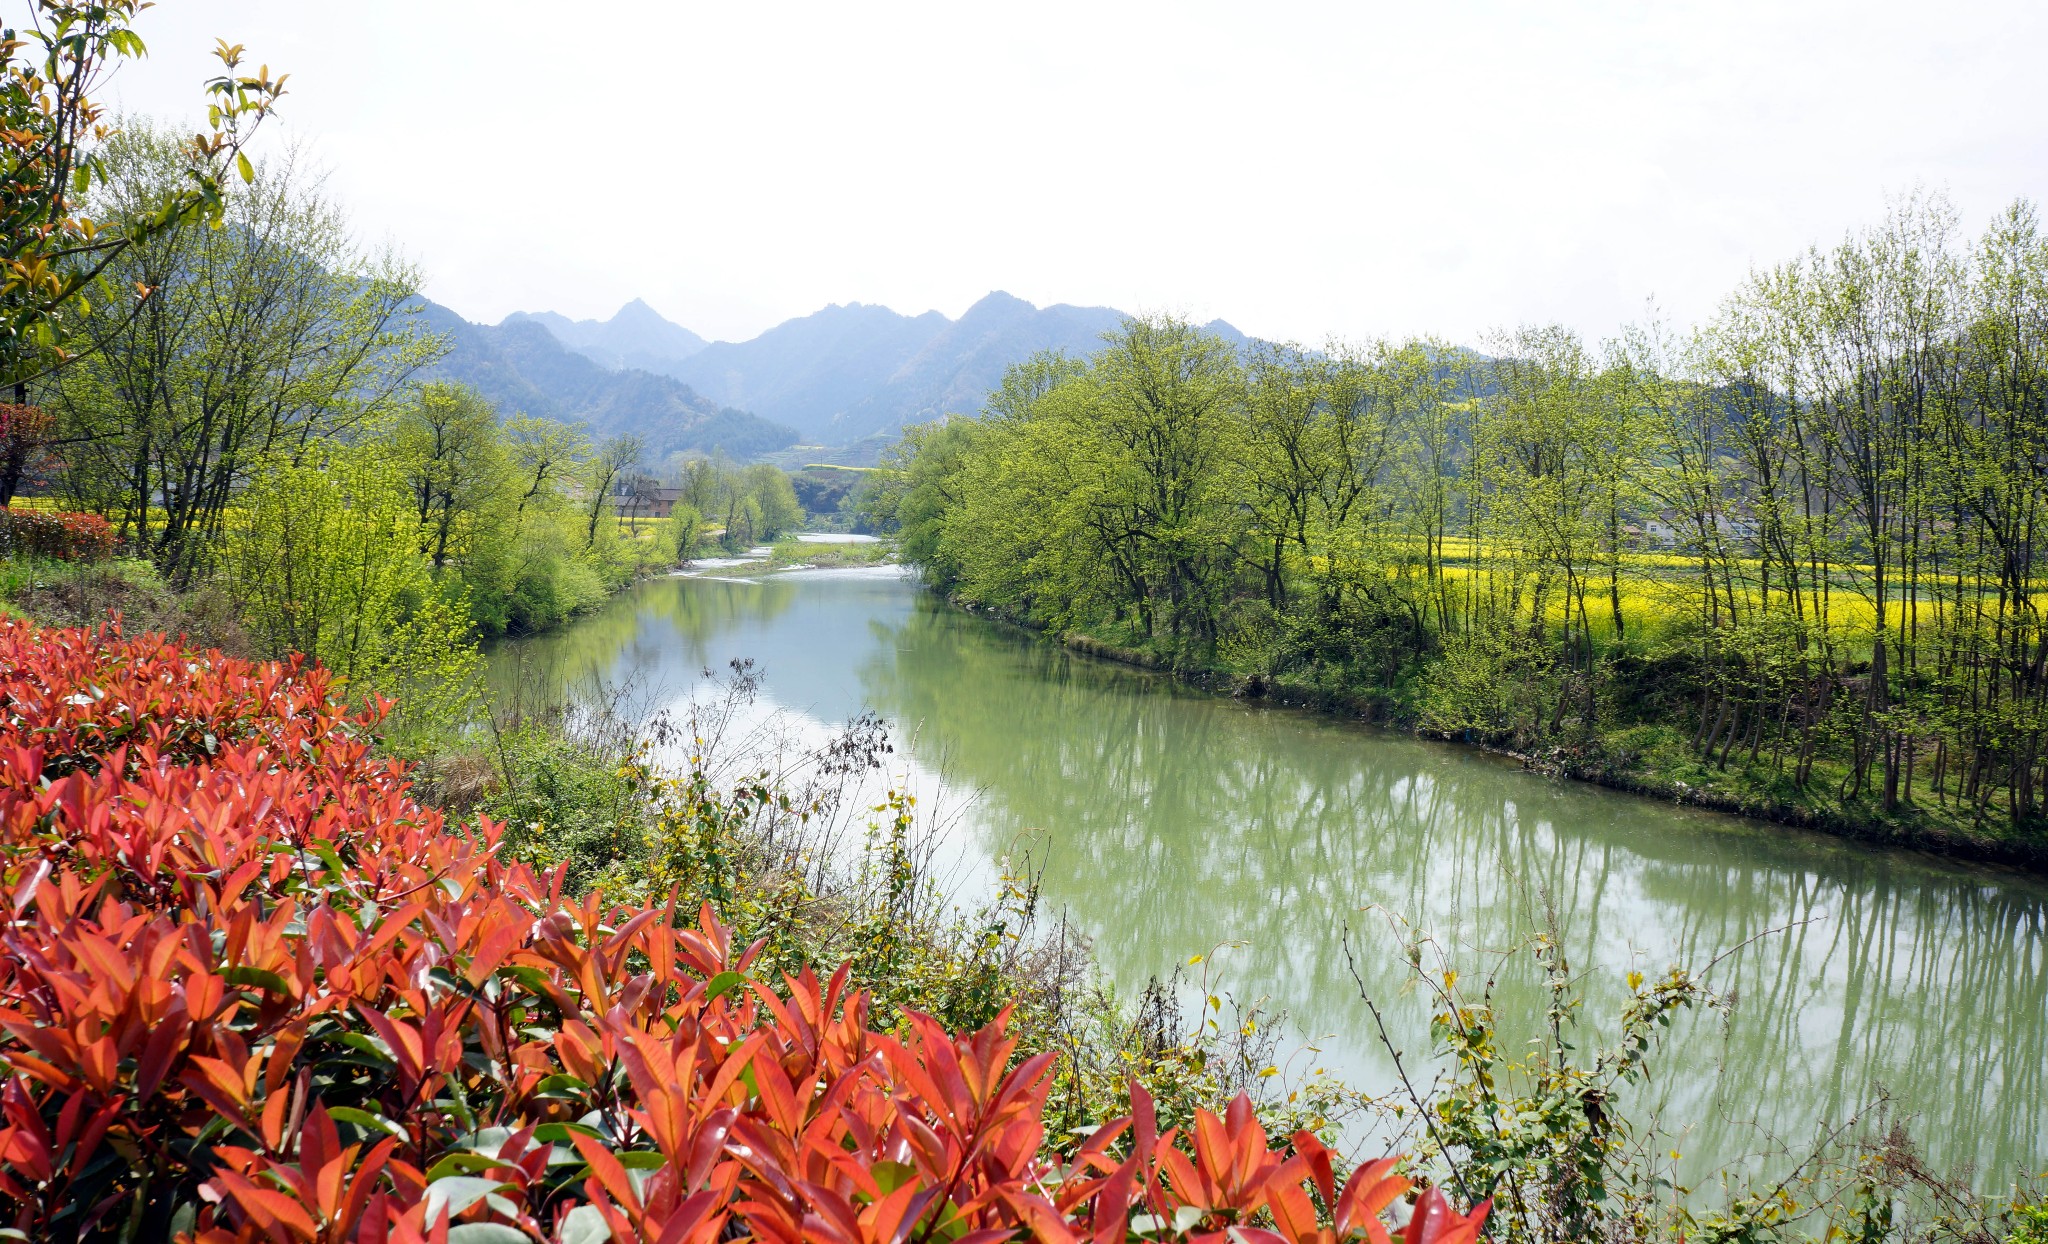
x: 1299, y: 169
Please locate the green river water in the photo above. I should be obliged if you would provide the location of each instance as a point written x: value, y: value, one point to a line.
x: 1169, y: 821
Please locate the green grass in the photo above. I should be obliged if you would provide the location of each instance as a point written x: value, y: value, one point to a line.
x: 24, y: 579
x: 53, y: 593
x: 790, y: 553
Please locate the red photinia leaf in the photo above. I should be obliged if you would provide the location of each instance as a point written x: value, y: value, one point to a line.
x: 54, y: 534
x: 1435, y: 1222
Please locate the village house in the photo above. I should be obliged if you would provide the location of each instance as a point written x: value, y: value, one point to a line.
x: 636, y: 499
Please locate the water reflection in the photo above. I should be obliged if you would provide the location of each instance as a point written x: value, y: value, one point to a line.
x: 1177, y: 821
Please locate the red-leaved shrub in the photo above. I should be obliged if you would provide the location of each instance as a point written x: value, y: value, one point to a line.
x: 55, y: 534
x: 252, y: 990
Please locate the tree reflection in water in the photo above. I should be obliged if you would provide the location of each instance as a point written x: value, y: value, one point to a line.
x: 1177, y: 820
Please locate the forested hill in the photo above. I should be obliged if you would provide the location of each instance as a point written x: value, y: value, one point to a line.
x: 520, y: 365
x: 854, y: 371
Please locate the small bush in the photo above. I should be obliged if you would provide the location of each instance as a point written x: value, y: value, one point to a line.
x: 2029, y: 1224
x: 56, y: 535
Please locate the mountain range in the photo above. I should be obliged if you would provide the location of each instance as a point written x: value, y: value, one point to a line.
x: 522, y: 366
x: 636, y: 337
x: 849, y: 372
x: 848, y: 375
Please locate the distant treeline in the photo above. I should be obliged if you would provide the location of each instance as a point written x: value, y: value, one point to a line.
x: 1802, y: 538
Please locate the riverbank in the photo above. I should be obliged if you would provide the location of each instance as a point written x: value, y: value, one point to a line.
x: 60, y: 593
x: 803, y: 551
x: 1651, y: 761
x: 1163, y: 821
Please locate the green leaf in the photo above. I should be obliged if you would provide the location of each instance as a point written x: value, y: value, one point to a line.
x: 890, y: 1176
x: 585, y: 1225
x: 559, y: 1133
x: 324, y: 851
x: 487, y: 1140
x: 367, y: 1044
x: 366, y: 1120
x: 487, y: 1233
x: 458, y: 1192
x: 248, y: 172
x: 535, y: 980
x: 723, y: 984
x: 451, y: 1165
x: 561, y: 1086
x: 257, y: 977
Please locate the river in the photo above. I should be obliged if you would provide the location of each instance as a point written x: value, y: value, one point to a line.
x: 1168, y: 822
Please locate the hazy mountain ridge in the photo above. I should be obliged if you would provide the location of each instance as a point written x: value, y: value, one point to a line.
x: 636, y: 336
x: 805, y: 371
x: 522, y: 366
x: 856, y: 370
x: 957, y: 368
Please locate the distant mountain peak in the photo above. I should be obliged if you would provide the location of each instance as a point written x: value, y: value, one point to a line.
x: 524, y: 365
x: 636, y: 336
x: 850, y: 371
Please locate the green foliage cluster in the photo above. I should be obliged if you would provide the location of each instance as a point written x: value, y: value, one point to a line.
x: 819, y: 555
x: 744, y: 506
x: 2030, y: 1224
x: 828, y: 494
x: 386, y: 554
x: 1802, y: 538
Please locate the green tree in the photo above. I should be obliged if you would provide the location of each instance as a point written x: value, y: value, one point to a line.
x: 263, y: 338
x: 453, y: 455
x: 325, y: 559
x: 917, y: 490
x: 601, y: 475
x: 546, y: 456
x: 775, y: 497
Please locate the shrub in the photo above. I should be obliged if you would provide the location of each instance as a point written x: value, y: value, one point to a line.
x: 2029, y: 1224
x: 254, y: 991
x: 55, y: 534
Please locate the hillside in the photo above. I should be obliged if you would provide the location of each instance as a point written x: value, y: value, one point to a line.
x: 856, y: 371
x: 521, y: 365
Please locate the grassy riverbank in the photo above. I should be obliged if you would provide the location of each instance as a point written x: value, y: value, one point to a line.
x: 794, y: 553
x: 58, y: 593
x: 1642, y: 757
